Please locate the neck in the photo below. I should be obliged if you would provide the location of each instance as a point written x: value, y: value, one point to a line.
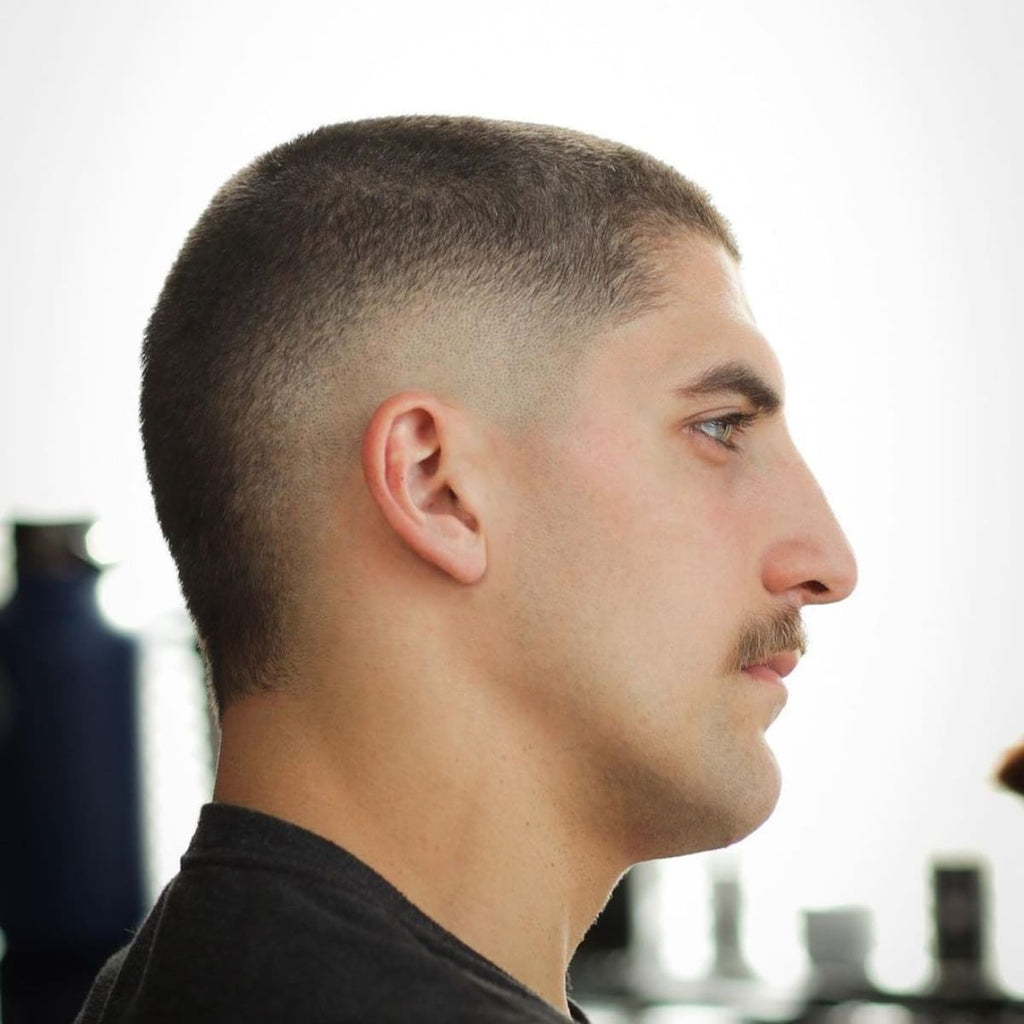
x: 452, y: 810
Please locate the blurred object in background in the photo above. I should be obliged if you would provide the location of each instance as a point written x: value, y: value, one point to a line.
x: 1010, y: 772
x: 602, y: 965
x: 961, y: 932
x: 727, y: 907
x: 839, y: 989
x: 859, y: 1012
x: 71, y: 869
x: 730, y: 982
x: 838, y: 944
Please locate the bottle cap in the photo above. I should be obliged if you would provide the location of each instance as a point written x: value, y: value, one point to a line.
x: 53, y: 549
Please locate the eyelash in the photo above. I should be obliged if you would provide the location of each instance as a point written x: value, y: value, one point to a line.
x: 738, y: 421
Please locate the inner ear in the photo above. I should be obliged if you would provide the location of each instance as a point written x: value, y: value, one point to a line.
x: 429, y: 464
x: 448, y: 501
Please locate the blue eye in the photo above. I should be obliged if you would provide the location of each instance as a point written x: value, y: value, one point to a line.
x: 718, y: 430
x: 722, y: 429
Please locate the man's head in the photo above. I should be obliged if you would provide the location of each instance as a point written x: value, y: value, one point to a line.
x: 480, y: 407
x: 470, y: 257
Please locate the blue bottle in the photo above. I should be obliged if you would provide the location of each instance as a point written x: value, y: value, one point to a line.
x: 71, y: 858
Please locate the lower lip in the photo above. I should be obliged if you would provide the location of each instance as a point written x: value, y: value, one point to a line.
x: 765, y: 674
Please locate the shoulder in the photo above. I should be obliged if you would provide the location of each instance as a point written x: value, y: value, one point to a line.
x: 269, y: 945
x: 94, y: 1009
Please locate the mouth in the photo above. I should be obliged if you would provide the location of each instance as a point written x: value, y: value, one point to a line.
x: 775, y: 668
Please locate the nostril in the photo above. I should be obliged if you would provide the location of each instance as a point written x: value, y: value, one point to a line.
x: 816, y: 587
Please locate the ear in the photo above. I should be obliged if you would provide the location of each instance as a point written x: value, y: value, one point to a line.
x: 411, y: 462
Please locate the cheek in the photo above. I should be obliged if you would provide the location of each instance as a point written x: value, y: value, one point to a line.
x: 581, y: 562
x: 616, y: 565
x: 719, y: 515
x: 634, y: 547
x: 641, y: 526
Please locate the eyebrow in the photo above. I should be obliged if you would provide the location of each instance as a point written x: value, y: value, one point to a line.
x: 737, y: 379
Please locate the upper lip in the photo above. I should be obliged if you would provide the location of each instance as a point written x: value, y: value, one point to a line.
x: 782, y: 663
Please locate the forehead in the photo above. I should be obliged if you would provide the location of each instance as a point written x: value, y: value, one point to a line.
x: 703, y: 319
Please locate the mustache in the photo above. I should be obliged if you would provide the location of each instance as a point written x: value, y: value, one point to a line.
x: 767, y: 635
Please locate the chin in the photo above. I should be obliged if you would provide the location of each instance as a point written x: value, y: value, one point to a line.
x: 761, y: 801
x: 711, y: 824
x: 748, y: 826
x: 741, y: 807
x: 671, y: 811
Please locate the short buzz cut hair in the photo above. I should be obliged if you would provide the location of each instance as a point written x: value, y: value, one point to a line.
x: 473, y: 258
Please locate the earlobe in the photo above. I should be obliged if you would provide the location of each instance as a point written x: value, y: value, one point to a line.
x: 409, y: 457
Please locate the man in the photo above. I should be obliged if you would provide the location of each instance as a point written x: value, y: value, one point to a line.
x: 472, y: 461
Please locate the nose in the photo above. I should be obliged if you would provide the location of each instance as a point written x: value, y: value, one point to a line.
x: 809, y: 560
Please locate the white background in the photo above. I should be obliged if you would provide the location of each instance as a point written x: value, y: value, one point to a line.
x: 870, y: 156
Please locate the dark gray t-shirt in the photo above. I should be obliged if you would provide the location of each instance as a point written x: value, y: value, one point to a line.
x: 268, y: 922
